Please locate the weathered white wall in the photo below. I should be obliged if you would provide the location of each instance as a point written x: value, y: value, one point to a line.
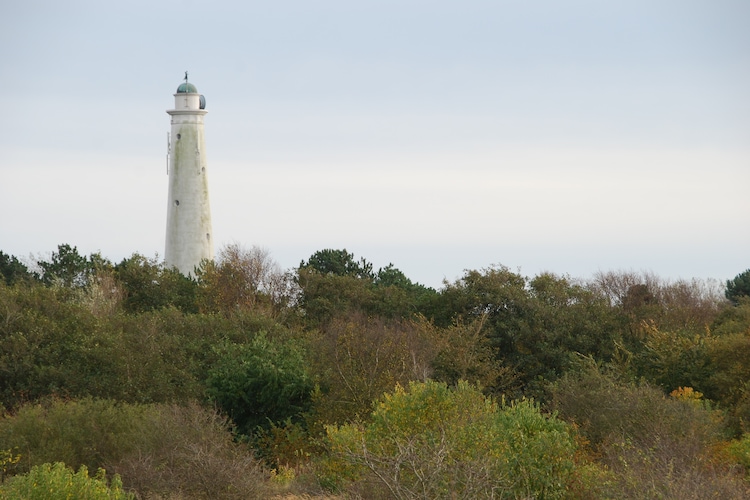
x: 186, y: 101
x: 189, y: 237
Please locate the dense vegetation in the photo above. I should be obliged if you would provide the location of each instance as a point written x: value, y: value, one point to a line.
x: 335, y: 380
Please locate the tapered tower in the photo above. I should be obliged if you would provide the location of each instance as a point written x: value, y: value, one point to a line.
x: 189, y: 237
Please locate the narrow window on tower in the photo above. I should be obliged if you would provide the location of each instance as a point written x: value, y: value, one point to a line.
x: 177, y: 203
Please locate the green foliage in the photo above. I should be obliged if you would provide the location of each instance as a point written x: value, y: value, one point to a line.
x: 259, y: 383
x: 655, y: 447
x: 687, y: 306
x: 242, y: 280
x: 740, y: 451
x: 675, y: 359
x: 56, y: 481
x: 398, y: 296
x: 149, y: 286
x: 8, y: 461
x: 13, y: 270
x: 45, y: 343
x: 535, y: 326
x: 333, y: 284
x: 87, y: 432
x: 733, y: 319
x: 729, y: 378
x: 325, y: 296
x: 69, y: 268
x: 430, y: 441
x: 715, y: 365
x: 738, y: 287
x: 728, y: 351
x: 338, y: 263
x: 358, y: 358
x: 285, y: 359
x: 52, y: 344
x: 190, y: 452
x: 607, y: 409
x: 463, y: 352
x: 157, y: 449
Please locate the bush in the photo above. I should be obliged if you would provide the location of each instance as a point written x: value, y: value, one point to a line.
x: 190, y: 452
x: 655, y: 447
x: 430, y: 441
x: 157, y: 449
x: 260, y: 383
x: 87, y: 433
x: 740, y: 452
x: 53, y: 482
x: 606, y: 409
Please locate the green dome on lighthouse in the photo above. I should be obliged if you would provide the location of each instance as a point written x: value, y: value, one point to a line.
x: 187, y: 88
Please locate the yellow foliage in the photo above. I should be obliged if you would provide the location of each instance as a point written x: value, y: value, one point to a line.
x: 687, y: 394
x: 7, y: 460
x: 282, y: 476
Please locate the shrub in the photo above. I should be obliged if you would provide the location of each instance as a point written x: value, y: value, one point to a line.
x: 190, y: 452
x: 87, y: 432
x: 740, y: 451
x: 53, y: 482
x: 157, y: 449
x: 430, y: 441
x: 606, y: 409
x: 655, y: 447
x: 259, y: 383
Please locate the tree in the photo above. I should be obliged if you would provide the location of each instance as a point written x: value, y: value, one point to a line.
x: 244, y: 279
x: 398, y: 296
x: 738, y: 287
x: 13, y: 270
x: 536, y: 327
x: 68, y: 267
x: 149, y: 286
x: 357, y: 358
x: 339, y: 263
x: 333, y: 283
x: 672, y: 359
x: 729, y: 376
x: 464, y: 352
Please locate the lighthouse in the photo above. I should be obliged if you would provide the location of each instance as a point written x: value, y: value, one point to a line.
x: 189, y: 238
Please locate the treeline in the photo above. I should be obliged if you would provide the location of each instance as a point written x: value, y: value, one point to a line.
x: 249, y: 381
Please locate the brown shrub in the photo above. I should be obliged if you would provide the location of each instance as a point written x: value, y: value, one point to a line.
x: 654, y: 446
x: 189, y: 452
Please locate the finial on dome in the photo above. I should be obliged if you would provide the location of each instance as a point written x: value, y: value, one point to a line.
x: 187, y: 88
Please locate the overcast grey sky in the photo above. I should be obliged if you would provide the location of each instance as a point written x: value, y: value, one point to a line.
x: 564, y: 136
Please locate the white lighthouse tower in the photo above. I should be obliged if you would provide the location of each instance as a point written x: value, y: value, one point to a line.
x: 189, y: 237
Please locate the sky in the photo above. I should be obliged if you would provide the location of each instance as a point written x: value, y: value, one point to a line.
x: 564, y: 136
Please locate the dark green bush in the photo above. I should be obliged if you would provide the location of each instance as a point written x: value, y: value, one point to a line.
x: 260, y: 383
